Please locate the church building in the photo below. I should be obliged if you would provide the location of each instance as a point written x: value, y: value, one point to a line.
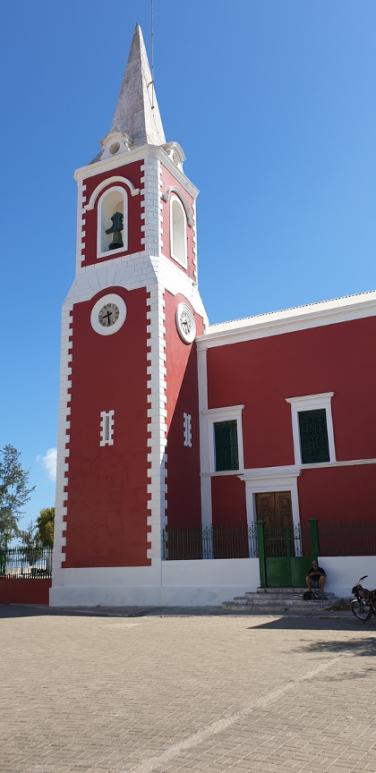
x: 183, y: 445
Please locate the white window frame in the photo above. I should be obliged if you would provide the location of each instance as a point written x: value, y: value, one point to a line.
x: 100, y: 225
x: 231, y: 413
x: 184, y: 262
x: 312, y: 403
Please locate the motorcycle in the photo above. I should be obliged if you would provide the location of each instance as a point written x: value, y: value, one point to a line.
x: 364, y: 603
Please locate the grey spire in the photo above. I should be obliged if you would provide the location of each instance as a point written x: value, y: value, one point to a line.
x: 137, y: 112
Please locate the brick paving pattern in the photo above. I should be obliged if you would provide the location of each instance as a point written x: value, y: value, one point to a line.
x: 173, y: 693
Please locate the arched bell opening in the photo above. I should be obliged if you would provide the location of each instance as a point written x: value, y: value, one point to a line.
x: 178, y: 231
x: 112, y: 221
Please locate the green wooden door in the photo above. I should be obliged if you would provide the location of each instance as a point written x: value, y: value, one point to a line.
x: 282, y: 566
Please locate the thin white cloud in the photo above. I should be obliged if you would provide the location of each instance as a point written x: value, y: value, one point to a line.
x: 48, y: 461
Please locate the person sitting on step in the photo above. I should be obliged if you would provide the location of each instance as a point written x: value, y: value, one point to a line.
x: 316, y: 577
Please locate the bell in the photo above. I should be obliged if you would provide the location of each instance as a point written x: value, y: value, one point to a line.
x: 116, y: 229
x: 117, y: 241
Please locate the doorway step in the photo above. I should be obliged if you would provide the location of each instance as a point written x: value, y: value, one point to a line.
x: 280, y: 600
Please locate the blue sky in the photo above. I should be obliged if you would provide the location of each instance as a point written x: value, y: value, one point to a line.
x: 274, y: 104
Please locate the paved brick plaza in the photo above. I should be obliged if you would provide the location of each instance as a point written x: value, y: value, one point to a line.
x: 172, y: 693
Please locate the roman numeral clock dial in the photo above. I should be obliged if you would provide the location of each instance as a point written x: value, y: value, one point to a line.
x: 185, y: 323
x: 108, y: 314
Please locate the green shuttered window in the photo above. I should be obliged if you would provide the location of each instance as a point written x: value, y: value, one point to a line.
x: 226, y: 445
x: 314, y: 444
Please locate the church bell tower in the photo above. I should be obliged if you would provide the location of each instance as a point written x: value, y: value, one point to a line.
x: 128, y: 451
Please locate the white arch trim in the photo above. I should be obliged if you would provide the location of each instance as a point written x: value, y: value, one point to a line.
x: 168, y: 195
x: 110, y: 181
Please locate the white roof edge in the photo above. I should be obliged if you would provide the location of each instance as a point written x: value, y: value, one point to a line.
x: 360, y: 304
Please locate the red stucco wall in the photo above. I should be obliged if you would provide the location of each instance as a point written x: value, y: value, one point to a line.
x: 228, y: 501
x: 133, y: 173
x: 183, y: 466
x: 107, y: 498
x: 24, y: 591
x: 262, y: 373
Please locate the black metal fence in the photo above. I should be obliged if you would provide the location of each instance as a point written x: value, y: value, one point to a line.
x: 209, y: 542
x: 330, y: 538
x: 26, y: 563
x: 283, y: 542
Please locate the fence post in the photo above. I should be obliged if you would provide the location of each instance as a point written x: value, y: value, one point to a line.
x: 3, y: 561
x: 314, y: 535
x: 261, y: 551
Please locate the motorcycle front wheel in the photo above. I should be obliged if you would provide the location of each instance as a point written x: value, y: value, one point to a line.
x: 361, y: 610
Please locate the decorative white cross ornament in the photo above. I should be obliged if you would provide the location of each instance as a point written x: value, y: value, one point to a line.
x: 187, y: 426
x: 107, y: 428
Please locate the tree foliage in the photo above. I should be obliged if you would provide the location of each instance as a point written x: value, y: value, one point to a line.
x: 14, y: 492
x: 32, y: 548
x: 45, y: 527
x: 29, y: 537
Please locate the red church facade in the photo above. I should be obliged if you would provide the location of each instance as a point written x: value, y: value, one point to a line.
x: 168, y: 424
x: 300, y: 381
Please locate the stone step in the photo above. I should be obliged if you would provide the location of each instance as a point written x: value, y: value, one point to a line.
x: 282, y: 592
x: 266, y: 591
x: 305, y: 608
x: 280, y: 600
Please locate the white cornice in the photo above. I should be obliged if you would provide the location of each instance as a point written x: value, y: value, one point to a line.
x: 294, y: 470
x: 138, y: 154
x: 287, y: 321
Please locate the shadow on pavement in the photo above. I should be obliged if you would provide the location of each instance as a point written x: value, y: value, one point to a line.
x: 253, y: 622
x: 34, y: 610
x: 365, y: 647
x: 345, y: 622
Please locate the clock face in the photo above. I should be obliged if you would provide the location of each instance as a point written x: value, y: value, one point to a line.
x: 108, y: 314
x: 185, y: 323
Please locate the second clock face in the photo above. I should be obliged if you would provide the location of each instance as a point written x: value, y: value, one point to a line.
x: 108, y: 314
x: 185, y: 323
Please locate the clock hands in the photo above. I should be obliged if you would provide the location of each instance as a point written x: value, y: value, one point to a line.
x: 185, y: 323
x: 107, y: 316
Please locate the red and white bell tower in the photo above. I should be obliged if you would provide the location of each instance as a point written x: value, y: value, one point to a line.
x: 128, y: 455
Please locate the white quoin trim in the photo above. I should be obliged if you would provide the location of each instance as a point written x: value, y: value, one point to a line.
x: 109, y: 182
x: 63, y: 450
x: 157, y: 419
x: 80, y: 228
x: 311, y: 403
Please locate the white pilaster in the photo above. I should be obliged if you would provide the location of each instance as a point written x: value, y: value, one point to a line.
x: 157, y: 418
